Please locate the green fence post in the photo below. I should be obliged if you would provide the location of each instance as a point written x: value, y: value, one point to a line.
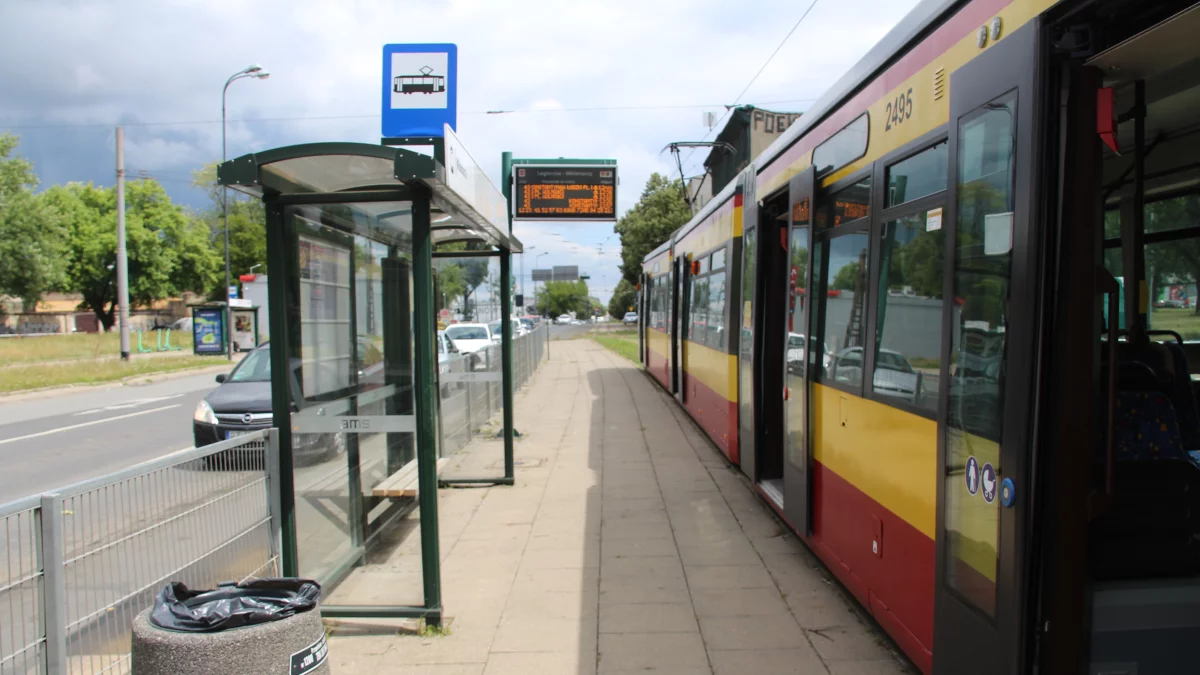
x: 506, y: 364
x: 426, y: 407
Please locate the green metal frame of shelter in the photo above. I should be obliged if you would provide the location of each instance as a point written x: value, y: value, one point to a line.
x: 349, y: 186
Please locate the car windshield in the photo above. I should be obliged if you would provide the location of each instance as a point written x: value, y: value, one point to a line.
x: 467, y: 333
x: 494, y: 327
x: 796, y: 342
x: 256, y: 367
x: 528, y: 323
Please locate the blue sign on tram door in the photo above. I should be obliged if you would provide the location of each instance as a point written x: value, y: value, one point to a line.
x: 420, y: 89
x: 972, y: 475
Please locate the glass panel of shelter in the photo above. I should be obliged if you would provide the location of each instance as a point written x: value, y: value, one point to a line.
x: 470, y: 371
x: 351, y: 350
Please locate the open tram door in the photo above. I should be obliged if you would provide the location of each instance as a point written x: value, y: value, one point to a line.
x: 988, y: 336
x: 801, y: 352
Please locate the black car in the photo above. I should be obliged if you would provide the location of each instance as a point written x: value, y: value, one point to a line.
x: 243, y: 404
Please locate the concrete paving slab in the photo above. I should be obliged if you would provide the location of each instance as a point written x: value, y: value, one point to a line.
x: 631, y: 547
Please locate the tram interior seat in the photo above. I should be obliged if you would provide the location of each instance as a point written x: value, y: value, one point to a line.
x: 1152, y: 525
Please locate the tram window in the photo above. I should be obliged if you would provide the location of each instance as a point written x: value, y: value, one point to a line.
x: 1173, y: 268
x: 918, y: 176
x: 843, y: 147
x: 718, y: 260
x: 845, y: 206
x: 716, y: 310
x: 699, y: 305
x: 845, y: 303
x: 909, y: 310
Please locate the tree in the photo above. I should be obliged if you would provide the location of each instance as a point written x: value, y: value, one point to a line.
x: 846, y: 278
x: 564, y: 297
x: 247, y: 229
x: 624, y: 296
x: 32, y: 237
x: 168, y: 252
x: 461, y: 276
x: 660, y: 211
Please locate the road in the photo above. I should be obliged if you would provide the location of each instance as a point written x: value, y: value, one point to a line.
x: 53, y: 441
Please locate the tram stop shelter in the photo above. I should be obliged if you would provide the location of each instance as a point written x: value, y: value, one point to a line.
x: 351, y: 233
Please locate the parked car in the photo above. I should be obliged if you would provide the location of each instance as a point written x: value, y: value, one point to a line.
x: 894, y: 375
x: 447, y: 355
x: 472, y: 339
x: 563, y: 320
x: 242, y: 403
x: 631, y: 319
x: 530, y: 323
x: 796, y: 351
x: 518, y: 329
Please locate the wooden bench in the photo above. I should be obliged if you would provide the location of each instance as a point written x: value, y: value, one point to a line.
x: 403, y: 483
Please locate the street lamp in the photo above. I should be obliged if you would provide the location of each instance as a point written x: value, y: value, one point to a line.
x: 261, y: 73
x: 536, y: 258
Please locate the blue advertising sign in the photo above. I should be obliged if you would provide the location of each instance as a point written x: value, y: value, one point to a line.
x: 420, y: 89
x: 208, y: 330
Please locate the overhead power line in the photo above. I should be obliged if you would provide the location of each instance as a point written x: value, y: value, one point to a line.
x: 307, y: 118
x: 749, y: 84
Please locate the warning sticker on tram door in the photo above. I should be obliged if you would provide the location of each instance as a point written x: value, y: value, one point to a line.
x: 306, y: 660
x: 972, y: 475
x: 988, y: 478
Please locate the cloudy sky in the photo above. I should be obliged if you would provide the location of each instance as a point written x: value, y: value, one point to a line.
x: 590, y: 78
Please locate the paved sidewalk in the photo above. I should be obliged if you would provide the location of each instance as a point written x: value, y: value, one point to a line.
x: 628, y: 545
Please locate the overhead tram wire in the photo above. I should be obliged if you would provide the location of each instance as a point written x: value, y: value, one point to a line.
x: 306, y: 118
x: 730, y: 108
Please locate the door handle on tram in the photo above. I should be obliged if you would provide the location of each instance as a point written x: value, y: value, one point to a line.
x: 1108, y: 285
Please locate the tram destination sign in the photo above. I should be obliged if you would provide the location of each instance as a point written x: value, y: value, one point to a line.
x: 565, y: 192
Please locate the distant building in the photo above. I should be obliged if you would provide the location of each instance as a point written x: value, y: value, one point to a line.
x: 749, y: 130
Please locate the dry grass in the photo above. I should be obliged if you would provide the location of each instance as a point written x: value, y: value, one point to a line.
x: 78, y: 346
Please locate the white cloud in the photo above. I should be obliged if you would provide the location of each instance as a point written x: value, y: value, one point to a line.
x: 70, y: 62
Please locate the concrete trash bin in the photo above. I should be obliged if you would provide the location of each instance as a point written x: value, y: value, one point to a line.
x: 262, y: 627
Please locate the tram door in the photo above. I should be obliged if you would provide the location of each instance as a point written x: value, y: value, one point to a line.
x: 798, y: 353
x: 984, y: 435
x: 674, y: 327
x: 747, y: 446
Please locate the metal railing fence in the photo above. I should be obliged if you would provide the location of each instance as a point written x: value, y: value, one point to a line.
x: 77, y: 564
x: 469, y: 407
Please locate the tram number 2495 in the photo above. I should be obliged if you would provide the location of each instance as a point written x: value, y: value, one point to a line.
x: 899, y: 110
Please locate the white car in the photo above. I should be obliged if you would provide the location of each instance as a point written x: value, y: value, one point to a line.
x: 894, y: 376
x: 470, y: 337
x: 796, y: 353
x: 518, y: 329
x: 563, y: 320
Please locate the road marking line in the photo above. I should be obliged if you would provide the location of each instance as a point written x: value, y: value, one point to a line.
x: 87, y: 424
x: 126, y: 405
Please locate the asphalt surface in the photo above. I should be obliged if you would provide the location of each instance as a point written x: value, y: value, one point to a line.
x: 52, y: 441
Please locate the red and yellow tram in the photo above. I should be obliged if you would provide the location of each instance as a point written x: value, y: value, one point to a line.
x: 892, y: 322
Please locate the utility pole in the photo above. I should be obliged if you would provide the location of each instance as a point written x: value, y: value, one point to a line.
x: 122, y: 255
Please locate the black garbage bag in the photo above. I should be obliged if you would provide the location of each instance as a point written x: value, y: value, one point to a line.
x: 180, y: 608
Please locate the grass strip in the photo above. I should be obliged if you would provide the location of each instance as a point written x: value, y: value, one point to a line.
x: 34, y: 349
x: 39, y: 375
x: 623, y: 342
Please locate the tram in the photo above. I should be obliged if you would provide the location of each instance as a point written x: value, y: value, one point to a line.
x: 424, y: 83
x: 894, y: 322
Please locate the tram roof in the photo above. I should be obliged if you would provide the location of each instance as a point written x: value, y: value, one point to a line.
x: 910, y: 28
x: 914, y: 25
x: 340, y: 168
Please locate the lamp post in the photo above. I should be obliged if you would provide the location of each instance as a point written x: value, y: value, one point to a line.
x: 261, y: 73
x: 536, y: 258
x: 523, y: 252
